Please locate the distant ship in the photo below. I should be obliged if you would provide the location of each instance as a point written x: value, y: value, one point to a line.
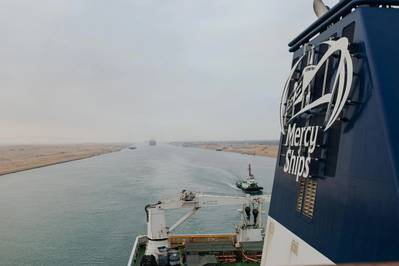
x: 152, y: 142
x: 132, y: 147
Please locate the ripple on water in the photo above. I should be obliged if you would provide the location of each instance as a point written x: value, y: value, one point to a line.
x: 89, y: 211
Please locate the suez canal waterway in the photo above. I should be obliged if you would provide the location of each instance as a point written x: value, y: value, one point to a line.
x: 90, y: 211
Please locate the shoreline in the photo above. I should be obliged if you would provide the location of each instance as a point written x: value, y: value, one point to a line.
x: 261, y: 148
x: 18, y: 158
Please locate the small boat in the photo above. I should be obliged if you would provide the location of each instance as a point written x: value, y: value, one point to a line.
x: 132, y: 147
x: 249, y: 185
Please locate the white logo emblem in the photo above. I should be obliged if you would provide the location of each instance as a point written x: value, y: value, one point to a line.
x: 299, y: 100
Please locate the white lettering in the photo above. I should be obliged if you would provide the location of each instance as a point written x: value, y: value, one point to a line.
x: 313, y: 139
x: 305, y: 141
x: 290, y: 136
x: 299, y: 138
x: 287, y: 161
x: 306, y: 171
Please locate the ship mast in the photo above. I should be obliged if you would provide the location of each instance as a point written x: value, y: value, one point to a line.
x: 249, y: 171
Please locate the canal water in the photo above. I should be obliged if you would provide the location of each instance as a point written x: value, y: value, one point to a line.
x: 88, y: 212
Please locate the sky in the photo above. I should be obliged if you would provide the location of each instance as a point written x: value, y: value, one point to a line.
x: 130, y: 70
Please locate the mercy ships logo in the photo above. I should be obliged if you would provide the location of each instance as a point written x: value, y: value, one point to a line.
x: 302, y: 97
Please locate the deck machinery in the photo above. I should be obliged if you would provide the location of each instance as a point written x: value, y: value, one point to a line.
x: 161, y: 247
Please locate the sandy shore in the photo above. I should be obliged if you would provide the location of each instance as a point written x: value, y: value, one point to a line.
x: 249, y: 148
x: 15, y: 158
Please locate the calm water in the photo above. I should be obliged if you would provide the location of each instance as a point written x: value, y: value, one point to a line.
x: 89, y: 212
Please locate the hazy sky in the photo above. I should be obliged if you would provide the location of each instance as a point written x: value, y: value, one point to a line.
x: 130, y: 70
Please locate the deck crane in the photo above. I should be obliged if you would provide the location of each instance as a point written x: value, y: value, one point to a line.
x: 247, y: 230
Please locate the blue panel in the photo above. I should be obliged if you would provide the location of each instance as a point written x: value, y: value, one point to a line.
x: 356, y: 216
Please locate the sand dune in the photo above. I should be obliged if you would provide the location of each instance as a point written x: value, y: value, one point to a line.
x: 15, y: 158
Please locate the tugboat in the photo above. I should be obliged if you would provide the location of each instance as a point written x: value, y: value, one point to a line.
x: 249, y: 186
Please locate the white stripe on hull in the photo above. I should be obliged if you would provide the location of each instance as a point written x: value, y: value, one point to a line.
x: 283, y: 247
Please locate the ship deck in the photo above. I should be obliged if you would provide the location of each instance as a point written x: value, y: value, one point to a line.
x: 211, y: 249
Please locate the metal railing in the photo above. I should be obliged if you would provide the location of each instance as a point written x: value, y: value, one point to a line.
x: 133, y: 255
x: 335, y: 14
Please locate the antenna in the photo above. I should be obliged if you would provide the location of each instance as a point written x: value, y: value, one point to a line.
x: 249, y: 171
x: 320, y: 8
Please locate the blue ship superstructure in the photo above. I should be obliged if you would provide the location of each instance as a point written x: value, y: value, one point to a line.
x: 335, y: 196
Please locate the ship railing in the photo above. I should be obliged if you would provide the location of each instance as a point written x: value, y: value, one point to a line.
x: 181, y: 240
x: 135, y: 250
x: 335, y: 14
